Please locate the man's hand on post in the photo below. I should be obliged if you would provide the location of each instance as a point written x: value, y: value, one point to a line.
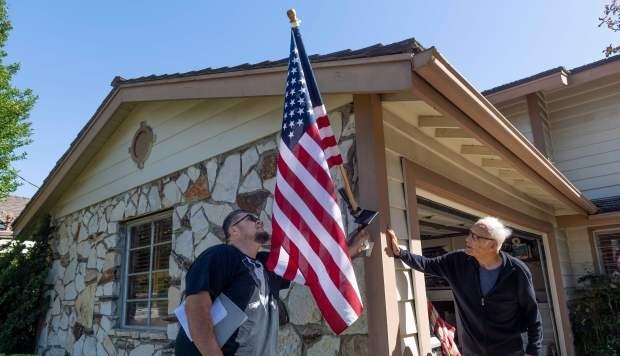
x: 392, y: 242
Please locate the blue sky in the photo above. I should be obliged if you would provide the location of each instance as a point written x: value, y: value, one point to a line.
x: 70, y: 50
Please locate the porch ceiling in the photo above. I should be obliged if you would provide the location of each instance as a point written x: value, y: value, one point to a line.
x: 444, y: 135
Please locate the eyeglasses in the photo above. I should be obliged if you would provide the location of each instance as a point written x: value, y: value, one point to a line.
x: 253, y: 218
x: 477, y: 237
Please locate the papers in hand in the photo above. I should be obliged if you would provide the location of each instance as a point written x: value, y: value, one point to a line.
x: 226, y: 317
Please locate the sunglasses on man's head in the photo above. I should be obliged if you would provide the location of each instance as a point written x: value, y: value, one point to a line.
x: 477, y: 237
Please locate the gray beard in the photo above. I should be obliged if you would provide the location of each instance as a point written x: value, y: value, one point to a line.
x: 262, y: 237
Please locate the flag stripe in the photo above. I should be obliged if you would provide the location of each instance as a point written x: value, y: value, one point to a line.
x: 323, y: 301
x: 315, y: 265
x: 336, y: 259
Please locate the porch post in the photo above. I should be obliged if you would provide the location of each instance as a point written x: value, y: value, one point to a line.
x: 381, y: 305
x: 565, y: 333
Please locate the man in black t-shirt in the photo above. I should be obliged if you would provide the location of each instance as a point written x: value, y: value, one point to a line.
x: 237, y: 270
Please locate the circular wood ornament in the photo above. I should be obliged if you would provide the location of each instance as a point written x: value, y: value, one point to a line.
x: 141, y: 144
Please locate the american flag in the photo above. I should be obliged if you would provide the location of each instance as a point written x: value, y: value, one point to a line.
x: 308, y: 242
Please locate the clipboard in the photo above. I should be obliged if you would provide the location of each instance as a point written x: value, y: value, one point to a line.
x: 226, y: 315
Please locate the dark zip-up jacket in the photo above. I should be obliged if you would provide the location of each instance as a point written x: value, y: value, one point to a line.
x: 492, y: 324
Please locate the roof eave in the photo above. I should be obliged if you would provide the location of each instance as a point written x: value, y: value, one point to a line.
x: 433, y: 68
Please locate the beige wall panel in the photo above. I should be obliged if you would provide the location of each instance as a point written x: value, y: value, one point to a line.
x: 587, y: 150
x: 396, y: 194
x: 585, y: 129
x: 407, y: 318
x: 410, y: 346
x: 186, y: 133
x: 596, y: 161
x: 580, y: 252
x: 394, y: 170
x: 403, y: 285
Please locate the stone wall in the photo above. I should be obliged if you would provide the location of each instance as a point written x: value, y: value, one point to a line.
x: 88, y: 246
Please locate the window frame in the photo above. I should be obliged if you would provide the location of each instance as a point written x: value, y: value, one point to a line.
x: 599, y: 263
x: 125, y: 268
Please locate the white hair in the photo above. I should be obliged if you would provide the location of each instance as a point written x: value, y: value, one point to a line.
x: 496, y: 228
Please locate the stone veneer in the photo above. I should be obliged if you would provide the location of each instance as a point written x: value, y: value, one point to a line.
x: 86, y: 273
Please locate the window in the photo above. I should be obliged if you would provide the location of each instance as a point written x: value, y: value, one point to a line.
x: 609, y: 252
x: 147, y: 279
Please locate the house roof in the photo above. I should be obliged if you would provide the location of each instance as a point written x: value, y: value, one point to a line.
x: 409, y: 45
x: 556, y: 70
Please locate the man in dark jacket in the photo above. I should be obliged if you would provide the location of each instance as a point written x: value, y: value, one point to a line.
x: 493, y: 291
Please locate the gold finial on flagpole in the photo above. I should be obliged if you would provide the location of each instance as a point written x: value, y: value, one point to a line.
x: 292, y: 16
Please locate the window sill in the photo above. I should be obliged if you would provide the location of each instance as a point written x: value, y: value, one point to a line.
x: 155, y: 335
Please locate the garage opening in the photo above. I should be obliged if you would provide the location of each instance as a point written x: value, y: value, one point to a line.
x: 443, y: 229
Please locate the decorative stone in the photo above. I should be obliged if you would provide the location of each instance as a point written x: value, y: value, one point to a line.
x: 349, y: 127
x: 70, y: 291
x: 217, y: 213
x: 64, y: 243
x: 250, y: 183
x: 142, y: 204
x: 112, y: 228
x: 109, y: 346
x: 78, y: 347
x: 270, y: 184
x: 354, y: 345
x: 93, y: 225
x: 301, y: 306
x: 193, y: 173
x: 208, y: 241
x: 118, y: 211
x: 70, y: 272
x: 184, y: 244
x: 143, y: 350
x: 211, y: 166
x: 82, y: 233
x: 84, y: 306
x: 130, y: 210
x: 199, y: 222
x: 269, y: 206
x: 289, y: 343
x: 83, y: 249
x: 227, y: 180
x: 154, y: 199
x: 183, y: 182
x: 266, y: 146
x: 172, y: 194
x: 266, y: 167
x: 266, y: 222
x: 326, y: 346
x: 103, y: 224
x: 198, y: 191
x: 335, y: 120
x: 92, y: 259
x: 248, y: 160
x: 107, y: 308
x: 253, y: 201
x: 90, y: 346
x: 174, y: 299
x: 345, y: 146
x: 172, y: 330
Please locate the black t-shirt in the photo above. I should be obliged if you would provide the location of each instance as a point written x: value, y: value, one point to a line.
x: 248, y: 284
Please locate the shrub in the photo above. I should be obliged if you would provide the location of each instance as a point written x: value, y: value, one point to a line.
x: 23, y: 271
x: 595, y: 315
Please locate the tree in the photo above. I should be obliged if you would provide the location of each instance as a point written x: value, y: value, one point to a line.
x: 611, y: 19
x: 15, y: 106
